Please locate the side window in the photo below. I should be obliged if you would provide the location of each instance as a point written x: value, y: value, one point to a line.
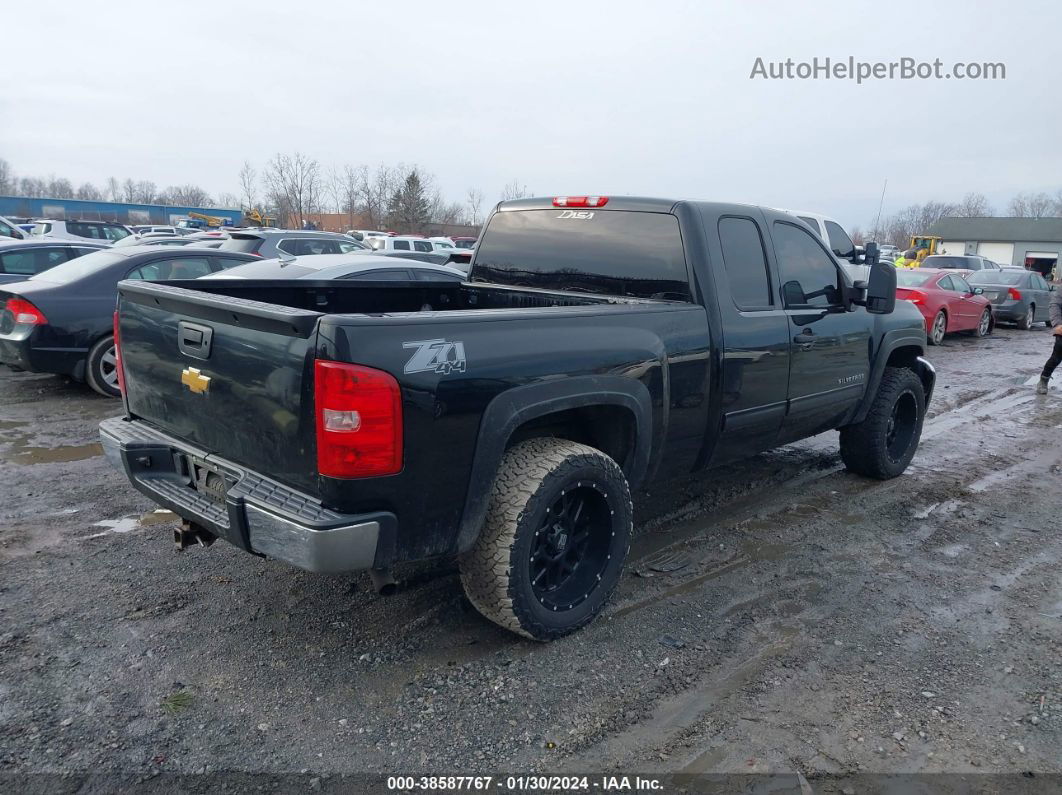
x: 840, y: 242
x: 401, y: 245
x: 945, y: 283
x: 745, y: 263
x: 422, y: 245
x: 346, y: 248
x: 6, y: 230
x: 1039, y: 282
x: 814, y: 224
x: 809, y: 277
x: 111, y: 232
x: 961, y: 284
x: 176, y: 268
x: 50, y: 257
x: 292, y: 247
x: 20, y: 262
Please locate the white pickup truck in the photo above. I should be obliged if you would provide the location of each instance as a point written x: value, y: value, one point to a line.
x: 839, y: 241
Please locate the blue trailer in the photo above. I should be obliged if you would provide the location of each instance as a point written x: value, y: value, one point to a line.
x: 78, y: 210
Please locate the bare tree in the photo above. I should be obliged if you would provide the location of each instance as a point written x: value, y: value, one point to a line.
x: 1030, y: 205
x: 973, y: 205
x: 375, y: 192
x: 474, y: 200
x: 32, y: 186
x: 58, y: 188
x: 294, y: 183
x: 89, y: 192
x: 186, y: 196
x: 228, y: 200
x: 248, y: 178
x: 7, y: 178
x: 514, y: 190
x: 857, y: 236
x: 113, y: 190
x: 128, y: 191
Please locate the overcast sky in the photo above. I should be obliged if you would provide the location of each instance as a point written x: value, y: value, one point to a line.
x: 650, y: 98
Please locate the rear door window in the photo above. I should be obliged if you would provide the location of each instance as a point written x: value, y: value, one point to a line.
x: 422, y: 245
x: 114, y: 232
x: 745, y: 263
x: 401, y: 245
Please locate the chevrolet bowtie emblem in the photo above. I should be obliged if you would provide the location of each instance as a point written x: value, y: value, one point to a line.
x: 192, y: 378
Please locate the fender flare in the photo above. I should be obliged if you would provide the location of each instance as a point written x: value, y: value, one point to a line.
x: 890, y: 342
x: 514, y: 407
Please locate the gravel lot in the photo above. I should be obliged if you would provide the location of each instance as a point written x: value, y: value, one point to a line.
x: 778, y: 616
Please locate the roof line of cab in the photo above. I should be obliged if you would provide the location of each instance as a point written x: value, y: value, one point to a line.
x: 629, y: 203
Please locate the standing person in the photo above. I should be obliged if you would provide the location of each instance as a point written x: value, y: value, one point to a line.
x: 1056, y: 354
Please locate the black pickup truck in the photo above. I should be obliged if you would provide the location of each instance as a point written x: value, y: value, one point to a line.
x: 599, y: 343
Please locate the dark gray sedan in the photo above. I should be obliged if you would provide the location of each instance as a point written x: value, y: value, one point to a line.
x: 1017, y: 296
x: 20, y: 259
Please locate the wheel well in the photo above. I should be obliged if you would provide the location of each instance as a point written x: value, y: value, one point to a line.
x: 610, y: 429
x: 907, y: 357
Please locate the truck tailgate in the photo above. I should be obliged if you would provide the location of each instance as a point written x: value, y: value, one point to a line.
x: 231, y: 376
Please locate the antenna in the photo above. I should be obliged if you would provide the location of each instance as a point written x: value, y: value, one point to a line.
x: 877, y: 224
x: 286, y: 258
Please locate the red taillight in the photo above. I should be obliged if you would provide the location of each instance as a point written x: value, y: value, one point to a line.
x: 914, y: 296
x: 580, y: 201
x: 359, y: 421
x: 118, y: 355
x: 1015, y: 294
x: 25, y: 312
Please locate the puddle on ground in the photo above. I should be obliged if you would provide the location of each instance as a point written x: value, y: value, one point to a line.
x: 129, y: 523
x: 30, y: 456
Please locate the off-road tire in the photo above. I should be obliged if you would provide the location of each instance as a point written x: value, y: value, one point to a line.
x: 496, y: 572
x: 865, y: 449
x: 96, y: 368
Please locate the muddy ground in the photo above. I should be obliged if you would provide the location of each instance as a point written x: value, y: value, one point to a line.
x: 780, y: 615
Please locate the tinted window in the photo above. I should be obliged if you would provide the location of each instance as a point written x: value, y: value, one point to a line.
x: 813, y: 223
x: 401, y: 245
x: 425, y: 275
x: 840, y: 242
x: 228, y: 262
x: 808, y: 275
x: 911, y: 278
x: 6, y: 230
x: 248, y: 244
x: 345, y: 247
x: 961, y: 284
x: 422, y: 245
x: 30, y: 261
x: 379, y: 276
x: 177, y: 268
x: 84, y: 230
x: 638, y: 254
x: 949, y: 263
x: 114, y: 232
x: 996, y: 277
x: 78, y: 268
x: 745, y: 262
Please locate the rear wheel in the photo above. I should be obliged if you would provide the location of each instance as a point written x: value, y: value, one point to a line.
x: 557, y: 533
x: 1025, y: 323
x: 984, y: 325
x: 101, y: 368
x: 883, y: 444
x: 938, y: 328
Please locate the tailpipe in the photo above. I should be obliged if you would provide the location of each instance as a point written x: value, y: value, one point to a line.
x: 189, y: 534
x: 383, y: 581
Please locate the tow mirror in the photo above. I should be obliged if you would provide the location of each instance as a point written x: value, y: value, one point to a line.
x: 881, y: 289
x: 871, y: 254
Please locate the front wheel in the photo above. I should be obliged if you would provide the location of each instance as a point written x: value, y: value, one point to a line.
x: 883, y: 444
x: 101, y: 369
x: 984, y: 325
x: 938, y: 329
x: 557, y: 533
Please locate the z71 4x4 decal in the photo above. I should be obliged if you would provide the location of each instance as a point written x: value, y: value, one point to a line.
x: 435, y: 356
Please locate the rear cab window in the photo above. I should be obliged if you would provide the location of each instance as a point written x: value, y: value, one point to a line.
x: 745, y: 263
x: 636, y: 254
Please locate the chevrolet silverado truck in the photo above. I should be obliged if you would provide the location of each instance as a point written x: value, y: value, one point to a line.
x: 598, y: 344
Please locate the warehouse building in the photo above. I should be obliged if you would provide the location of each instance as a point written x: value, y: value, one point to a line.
x: 122, y: 213
x: 1035, y: 243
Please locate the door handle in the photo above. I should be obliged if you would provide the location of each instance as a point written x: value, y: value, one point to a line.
x: 805, y: 339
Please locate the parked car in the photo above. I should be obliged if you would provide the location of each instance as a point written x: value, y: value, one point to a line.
x: 363, y: 235
x: 61, y: 320
x: 959, y: 262
x: 365, y: 266
x: 20, y: 259
x: 141, y: 237
x: 142, y: 229
x: 1017, y: 295
x: 267, y: 243
x: 402, y: 243
x: 177, y: 240
x: 947, y: 302
x: 888, y: 252
x: 9, y: 228
x: 346, y: 428
x: 464, y: 242
x: 81, y: 230
x: 442, y: 243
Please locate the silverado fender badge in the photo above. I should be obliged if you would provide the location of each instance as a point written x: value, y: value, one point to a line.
x: 435, y: 356
x: 192, y: 378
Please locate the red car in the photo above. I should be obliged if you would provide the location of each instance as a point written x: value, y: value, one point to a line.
x: 947, y: 302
